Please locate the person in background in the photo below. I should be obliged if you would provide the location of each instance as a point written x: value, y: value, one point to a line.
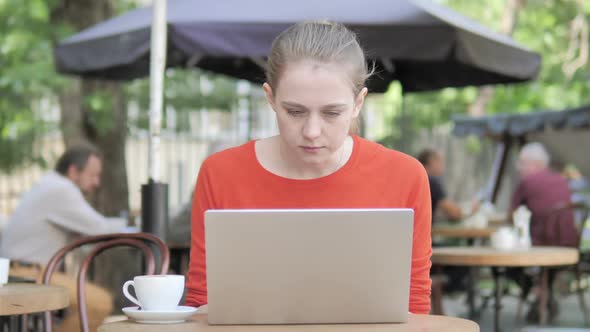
x: 578, y: 183
x: 433, y: 161
x: 434, y: 164
x: 315, y: 84
x: 541, y: 190
x: 49, y: 216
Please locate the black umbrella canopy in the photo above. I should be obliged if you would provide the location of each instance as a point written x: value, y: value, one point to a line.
x: 423, y: 45
x: 499, y: 126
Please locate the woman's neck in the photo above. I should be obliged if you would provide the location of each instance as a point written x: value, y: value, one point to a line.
x: 274, y: 156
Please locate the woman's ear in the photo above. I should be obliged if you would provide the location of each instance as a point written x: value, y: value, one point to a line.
x: 359, y: 101
x: 270, y: 98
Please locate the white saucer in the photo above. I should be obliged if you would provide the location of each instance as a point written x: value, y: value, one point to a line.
x: 160, y: 317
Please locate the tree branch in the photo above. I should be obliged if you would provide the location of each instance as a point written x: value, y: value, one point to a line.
x: 576, y: 55
x: 509, y: 21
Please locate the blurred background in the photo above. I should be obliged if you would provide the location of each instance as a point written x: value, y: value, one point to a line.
x: 42, y: 111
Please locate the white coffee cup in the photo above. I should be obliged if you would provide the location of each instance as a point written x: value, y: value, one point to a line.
x: 156, y: 292
x: 503, y: 238
x: 4, y: 268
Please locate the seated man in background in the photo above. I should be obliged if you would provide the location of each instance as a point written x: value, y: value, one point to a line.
x: 542, y: 190
x: 49, y: 216
x: 434, y: 164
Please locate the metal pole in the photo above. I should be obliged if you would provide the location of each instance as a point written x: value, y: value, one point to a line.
x: 154, y: 194
x: 157, y: 67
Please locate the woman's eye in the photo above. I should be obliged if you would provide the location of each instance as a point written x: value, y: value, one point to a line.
x: 295, y: 112
x: 332, y: 114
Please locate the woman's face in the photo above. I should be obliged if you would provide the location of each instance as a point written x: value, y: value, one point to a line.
x: 315, y: 106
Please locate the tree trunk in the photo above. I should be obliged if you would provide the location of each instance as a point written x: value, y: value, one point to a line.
x: 113, y: 196
x: 77, y: 124
x: 485, y: 94
x: 72, y: 121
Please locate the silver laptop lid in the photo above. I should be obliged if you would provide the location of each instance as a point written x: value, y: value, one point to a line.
x: 308, y: 266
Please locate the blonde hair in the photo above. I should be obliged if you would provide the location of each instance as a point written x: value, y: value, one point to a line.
x: 322, y: 41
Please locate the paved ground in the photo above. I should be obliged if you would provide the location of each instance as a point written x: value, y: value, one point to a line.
x: 570, y: 316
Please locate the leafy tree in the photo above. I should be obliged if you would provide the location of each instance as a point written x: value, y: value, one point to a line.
x: 90, y: 110
x: 26, y: 78
x: 30, y: 88
x: 544, y: 26
x: 187, y: 90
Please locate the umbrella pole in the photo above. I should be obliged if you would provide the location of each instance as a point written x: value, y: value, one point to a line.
x: 154, y: 194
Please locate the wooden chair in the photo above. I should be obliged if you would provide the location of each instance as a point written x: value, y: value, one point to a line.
x: 581, y: 211
x: 142, y: 241
x: 582, y: 215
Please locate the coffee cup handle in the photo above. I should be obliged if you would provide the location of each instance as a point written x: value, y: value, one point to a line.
x: 126, y: 292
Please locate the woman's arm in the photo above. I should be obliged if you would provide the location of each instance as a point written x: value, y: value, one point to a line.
x: 422, y: 245
x: 71, y: 211
x: 197, y: 275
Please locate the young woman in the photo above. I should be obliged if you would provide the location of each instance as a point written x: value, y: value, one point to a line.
x: 316, y: 86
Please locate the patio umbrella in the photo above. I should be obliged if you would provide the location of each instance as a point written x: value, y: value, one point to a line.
x: 421, y: 44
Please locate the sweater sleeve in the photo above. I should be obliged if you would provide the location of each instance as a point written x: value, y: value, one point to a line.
x: 422, y: 245
x: 197, y: 277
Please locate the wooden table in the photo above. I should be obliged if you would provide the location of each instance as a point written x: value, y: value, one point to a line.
x: 473, y: 236
x: 463, y: 232
x: 198, y: 323
x: 498, y: 218
x: 485, y: 256
x: 17, y: 300
x: 25, y: 298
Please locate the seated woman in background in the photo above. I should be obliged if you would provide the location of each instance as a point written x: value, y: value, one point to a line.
x: 316, y: 86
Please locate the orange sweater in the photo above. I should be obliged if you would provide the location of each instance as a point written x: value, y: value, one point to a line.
x: 373, y: 177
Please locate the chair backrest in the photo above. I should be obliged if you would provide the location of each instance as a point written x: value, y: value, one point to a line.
x: 142, y: 241
x: 568, y: 212
x: 582, y: 213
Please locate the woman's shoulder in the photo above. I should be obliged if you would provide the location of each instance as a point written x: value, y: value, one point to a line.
x: 380, y: 154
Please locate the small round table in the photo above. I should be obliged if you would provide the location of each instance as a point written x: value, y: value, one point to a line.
x: 198, y: 323
x: 463, y: 232
x: 25, y: 298
x: 542, y: 257
x: 20, y: 299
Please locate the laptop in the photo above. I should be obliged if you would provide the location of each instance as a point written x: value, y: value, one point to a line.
x: 325, y: 266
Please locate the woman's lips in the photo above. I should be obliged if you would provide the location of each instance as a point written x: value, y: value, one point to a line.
x: 311, y: 149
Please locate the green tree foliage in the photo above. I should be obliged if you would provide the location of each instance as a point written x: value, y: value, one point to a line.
x: 186, y: 90
x: 543, y: 26
x: 26, y: 76
x: 28, y: 80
